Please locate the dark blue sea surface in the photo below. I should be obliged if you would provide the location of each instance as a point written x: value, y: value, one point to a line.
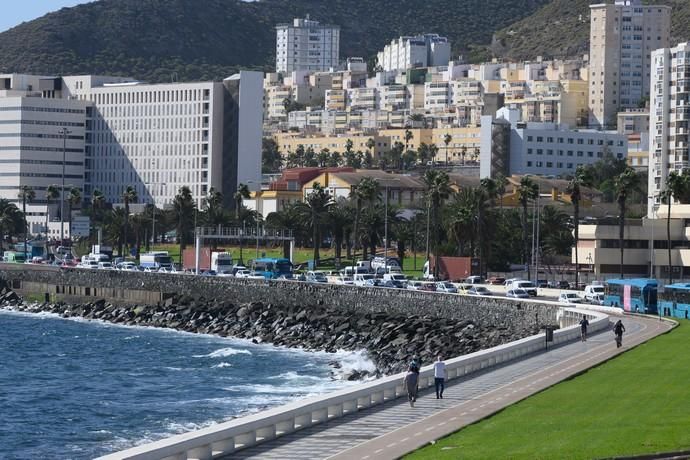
x: 74, y: 389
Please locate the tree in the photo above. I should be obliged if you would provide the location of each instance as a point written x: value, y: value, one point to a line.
x: 322, y: 157
x: 527, y: 191
x: 240, y: 195
x: 315, y: 211
x: 11, y: 220
x: 677, y: 185
x: 363, y: 194
x: 501, y: 183
x: 271, y: 159
x: 463, y: 153
x: 289, y: 218
x: 487, y: 193
x: 371, y: 143
x: 128, y: 196
x: 433, y: 151
x: 183, y: 210
x: 437, y: 189
x: 447, y: 139
x: 580, y: 179
x: 340, y: 223
x: 73, y: 199
x: 97, y: 203
x: 26, y: 193
x: 625, y: 183
x: 555, y: 225
x: 408, y: 138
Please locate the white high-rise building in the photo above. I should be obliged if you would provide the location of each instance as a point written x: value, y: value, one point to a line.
x: 428, y: 50
x: 34, y: 149
x: 669, y: 117
x: 158, y: 138
x: 622, y: 37
x: 307, y: 45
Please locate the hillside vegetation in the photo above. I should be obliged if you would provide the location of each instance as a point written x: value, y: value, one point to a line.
x: 160, y: 40
x: 561, y: 29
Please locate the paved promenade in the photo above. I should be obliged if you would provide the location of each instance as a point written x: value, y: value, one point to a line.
x: 393, y: 429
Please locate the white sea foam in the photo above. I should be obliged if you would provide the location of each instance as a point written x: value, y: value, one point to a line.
x: 224, y: 352
x: 221, y: 365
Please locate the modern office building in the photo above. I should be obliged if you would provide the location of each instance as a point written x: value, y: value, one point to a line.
x: 40, y: 134
x: 510, y: 146
x: 669, y: 117
x: 428, y: 50
x: 158, y: 138
x: 622, y: 38
x: 307, y: 45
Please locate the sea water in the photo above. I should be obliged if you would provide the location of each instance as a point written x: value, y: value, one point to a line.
x: 76, y: 389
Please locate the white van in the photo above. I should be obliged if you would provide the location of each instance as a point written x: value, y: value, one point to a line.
x: 593, y: 292
x: 522, y: 284
x: 363, y: 279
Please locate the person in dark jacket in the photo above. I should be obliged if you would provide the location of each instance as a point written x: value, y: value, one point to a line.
x: 618, y: 329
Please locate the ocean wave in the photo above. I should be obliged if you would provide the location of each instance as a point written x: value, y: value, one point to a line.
x: 221, y: 365
x: 223, y: 353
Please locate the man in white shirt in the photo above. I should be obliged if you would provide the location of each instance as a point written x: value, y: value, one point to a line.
x: 440, y: 374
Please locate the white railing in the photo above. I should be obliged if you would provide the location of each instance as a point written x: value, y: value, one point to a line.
x: 226, y: 438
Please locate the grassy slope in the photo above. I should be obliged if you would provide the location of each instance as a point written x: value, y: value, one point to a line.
x: 634, y: 404
x: 561, y: 28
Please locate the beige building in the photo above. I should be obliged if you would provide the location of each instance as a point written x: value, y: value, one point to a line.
x: 289, y: 142
x: 598, y: 247
x: 622, y: 37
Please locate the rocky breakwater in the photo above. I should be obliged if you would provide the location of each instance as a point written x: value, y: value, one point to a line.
x: 390, y: 340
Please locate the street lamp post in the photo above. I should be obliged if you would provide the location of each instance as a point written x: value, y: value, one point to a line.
x: 64, y: 132
x: 153, y: 216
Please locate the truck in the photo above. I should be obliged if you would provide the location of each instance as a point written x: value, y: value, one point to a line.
x: 156, y: 260
x: 594, y: 293
x: 218, y: 260
x: 451, y: 268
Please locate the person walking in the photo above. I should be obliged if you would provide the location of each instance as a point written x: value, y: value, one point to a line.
x: 618, y: 329
x: 411, y: 384
x: 583, y: 328
x: 440, y: 375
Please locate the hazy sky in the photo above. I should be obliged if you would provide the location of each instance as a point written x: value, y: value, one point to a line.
x: 14, y: 12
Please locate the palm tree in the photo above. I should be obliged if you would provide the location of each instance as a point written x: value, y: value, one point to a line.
x: 289, y: 218
x: 315, y: 212
x: 128, y: 196
x: 26, y: 193
x: 364, y: 193
x: 527, y: 191
x: 437, y: 189
x: 677, y: 185
x: 408, y: 138
x: 371, y: 143
x: 97, y: 203
x: 501, y: 183
x: 113, y: 228
x: 11, y: 220
x: 183, y: 210
x: 447, y: 139
x: 487, y: 193
x: 625, y: 183
x: 240, y: 195
x: 580, y: 179
x: 340, y: 221
x: 73, y: 199
x: 463, y: 153
x: 52, y: 193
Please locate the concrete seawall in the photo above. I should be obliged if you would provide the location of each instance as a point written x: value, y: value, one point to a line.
x: 152, y: 288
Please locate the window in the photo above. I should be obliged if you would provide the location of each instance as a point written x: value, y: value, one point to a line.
x: 529, y: 151
x: 549, y: 164
x: 580, y: 141
x: 570, y: 140
x: 540, y: 151
x: 580, y: 153
x: 529, y: 138
x: 540, y: 139
x: 570, y: 153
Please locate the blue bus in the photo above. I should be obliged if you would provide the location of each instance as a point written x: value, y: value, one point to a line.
x: 272, y: 268
x: 634, y: 294
x: 675, y: 300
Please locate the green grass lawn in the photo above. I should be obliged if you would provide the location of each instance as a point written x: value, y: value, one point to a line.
x: 301, y: 255
x: 636, y: 403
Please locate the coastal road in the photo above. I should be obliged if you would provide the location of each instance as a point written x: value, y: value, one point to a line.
x: 392, y: 429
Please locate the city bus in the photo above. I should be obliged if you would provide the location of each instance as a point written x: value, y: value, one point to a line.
x: 675, y: 300
x: 634, y: 294
x: 272, y: 268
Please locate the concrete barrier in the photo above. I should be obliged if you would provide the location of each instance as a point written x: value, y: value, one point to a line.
x: 226, y: 438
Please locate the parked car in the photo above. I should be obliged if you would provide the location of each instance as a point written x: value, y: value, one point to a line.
x: 517, y: 294
x: 430, y: 286
x: 127, y: 266
x: 244, y: 273
x: 542, y: 283
x: 316, y: 277
x: 479, y: 290
x: 596, y: 299
x: 414, y: 285
x: 474, y: 280
x: 447, y: 287
x: 496, y: 280
x: 561, y: 284
x: 105, y: 266
x: 88, y: 264
x: 569, y: 298
x: 522, y: 284
x: 464, y: 289
x: 372, y: 282
x: 393, y: 284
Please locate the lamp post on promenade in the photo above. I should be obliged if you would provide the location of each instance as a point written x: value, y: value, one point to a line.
x: 63, y: 132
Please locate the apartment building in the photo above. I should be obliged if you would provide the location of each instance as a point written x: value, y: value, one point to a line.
x: 158, y: 138
x: 406, y: 52
x: 41, y: 143
x: 622, y: 38
x: 307, y: 45
x: 290, y: 142
x: 512, y: 146
x: 669, y: 116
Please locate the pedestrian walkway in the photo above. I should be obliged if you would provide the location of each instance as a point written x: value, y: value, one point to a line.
x: 393, y: 429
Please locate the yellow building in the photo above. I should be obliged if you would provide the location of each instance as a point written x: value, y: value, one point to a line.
x: 289, y: 142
